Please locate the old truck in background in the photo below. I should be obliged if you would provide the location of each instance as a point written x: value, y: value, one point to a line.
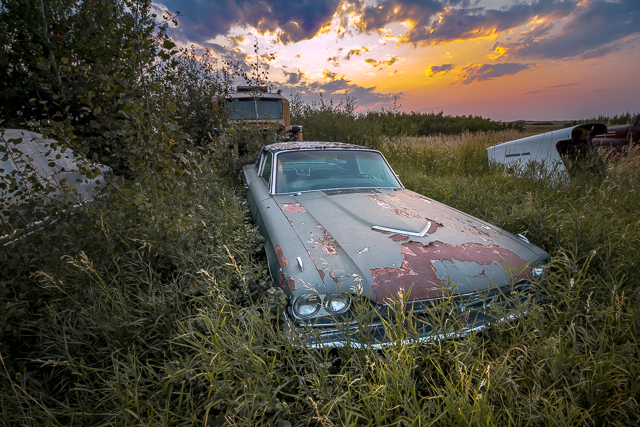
x: 253, y: 109
x: 620, y: 137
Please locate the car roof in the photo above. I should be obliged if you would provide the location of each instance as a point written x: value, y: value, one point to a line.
x: 311, y: 145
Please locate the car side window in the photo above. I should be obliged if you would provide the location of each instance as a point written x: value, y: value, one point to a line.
x: 266, y: 168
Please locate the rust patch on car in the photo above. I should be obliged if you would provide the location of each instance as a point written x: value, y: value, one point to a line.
x: 321, y: 273
x: 477, y: 231
x: 281, y: 258
x: 398, y: 238
x: 303, y: 145
x: 394, y: 204
x: 290, y: 282
x: 292, y: 207
x: 329, y: 244
x: 334, y: 278
x: 419, y: 197
x: 418, y: 274
x: 433, y: 227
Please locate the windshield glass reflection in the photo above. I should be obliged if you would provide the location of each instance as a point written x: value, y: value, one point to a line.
x: 310, y: 170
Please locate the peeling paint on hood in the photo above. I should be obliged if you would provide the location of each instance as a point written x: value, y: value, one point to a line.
x: 457, y: 254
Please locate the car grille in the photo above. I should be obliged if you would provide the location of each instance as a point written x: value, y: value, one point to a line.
x: 424, y: 320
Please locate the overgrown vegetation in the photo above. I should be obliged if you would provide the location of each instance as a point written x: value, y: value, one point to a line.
x: 153, y: 305
x: 117, y: 340
x: 327, y: 120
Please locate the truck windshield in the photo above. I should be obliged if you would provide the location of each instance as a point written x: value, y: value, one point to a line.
x: 310, y: 170
x: 241, y: 109
x: 269, y: 109
x: 246, y: 109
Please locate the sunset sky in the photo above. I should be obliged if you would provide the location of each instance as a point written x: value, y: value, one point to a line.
x: 503, y: 59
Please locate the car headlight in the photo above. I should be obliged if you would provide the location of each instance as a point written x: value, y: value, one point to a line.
x: 336, y: 303
x: 537, y: 271
x: 307, y: 305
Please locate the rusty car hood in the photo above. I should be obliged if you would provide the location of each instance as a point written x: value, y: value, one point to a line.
x: 382, y: 241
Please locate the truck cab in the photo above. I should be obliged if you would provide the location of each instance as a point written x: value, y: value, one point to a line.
x: 253, y: 108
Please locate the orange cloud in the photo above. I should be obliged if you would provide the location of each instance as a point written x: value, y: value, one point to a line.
x: 435, y: 69
x: 383, y: 64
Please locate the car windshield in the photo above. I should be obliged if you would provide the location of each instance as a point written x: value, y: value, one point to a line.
x: 245, y: 109
x: 309, y: 170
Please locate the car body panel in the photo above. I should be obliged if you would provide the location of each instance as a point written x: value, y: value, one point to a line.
x: 546, y: 149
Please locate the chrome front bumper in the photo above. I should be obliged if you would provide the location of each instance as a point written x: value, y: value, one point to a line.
x: 418, y: 321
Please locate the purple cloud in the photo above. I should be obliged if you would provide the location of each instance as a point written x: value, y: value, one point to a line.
x: 483, y: 72
x: 594, y: 29
x: 205, y: 19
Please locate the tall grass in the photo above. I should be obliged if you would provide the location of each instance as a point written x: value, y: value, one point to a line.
x: 114, y: 340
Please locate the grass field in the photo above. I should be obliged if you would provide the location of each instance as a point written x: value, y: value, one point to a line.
x: 117, y: 340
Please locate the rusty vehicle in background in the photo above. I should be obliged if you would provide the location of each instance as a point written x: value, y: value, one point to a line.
x: 560, y: 151
x: 357, y: 254
x: 620, y: 137
x: 36, y: 172
x: 252, y: 111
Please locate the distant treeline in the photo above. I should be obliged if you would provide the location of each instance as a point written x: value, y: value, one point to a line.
x: 617, y: 119
x: 394, y: 123
x: 333, y: 121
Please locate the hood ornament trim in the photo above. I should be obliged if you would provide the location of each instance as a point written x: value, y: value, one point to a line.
x: 408, y: 233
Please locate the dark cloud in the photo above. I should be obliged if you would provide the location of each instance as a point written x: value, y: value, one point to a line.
x: 533, y: 92
x: 293, y: 78
x: 383, y: 64
x: 562, y: 85
x: 230, y: 55
x: 546, y: 89
x: 219, y: 49
x: 335, y: 60
x: 337, y: 87
x: 205, y: 19
x: 356, y: 52
x: 377, y: 16
x: 236, y: 40
x: 435, y: 69
x: 483, y: 72
x: 595, y: 28
x: 468, y: 23
x: 565, y: 28
x: 330, y: 75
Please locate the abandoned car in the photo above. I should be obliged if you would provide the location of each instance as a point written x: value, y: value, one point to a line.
x: 556, y: 152
x: 35, y: 172
x: 350, y: 246
x: 621, y: 138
